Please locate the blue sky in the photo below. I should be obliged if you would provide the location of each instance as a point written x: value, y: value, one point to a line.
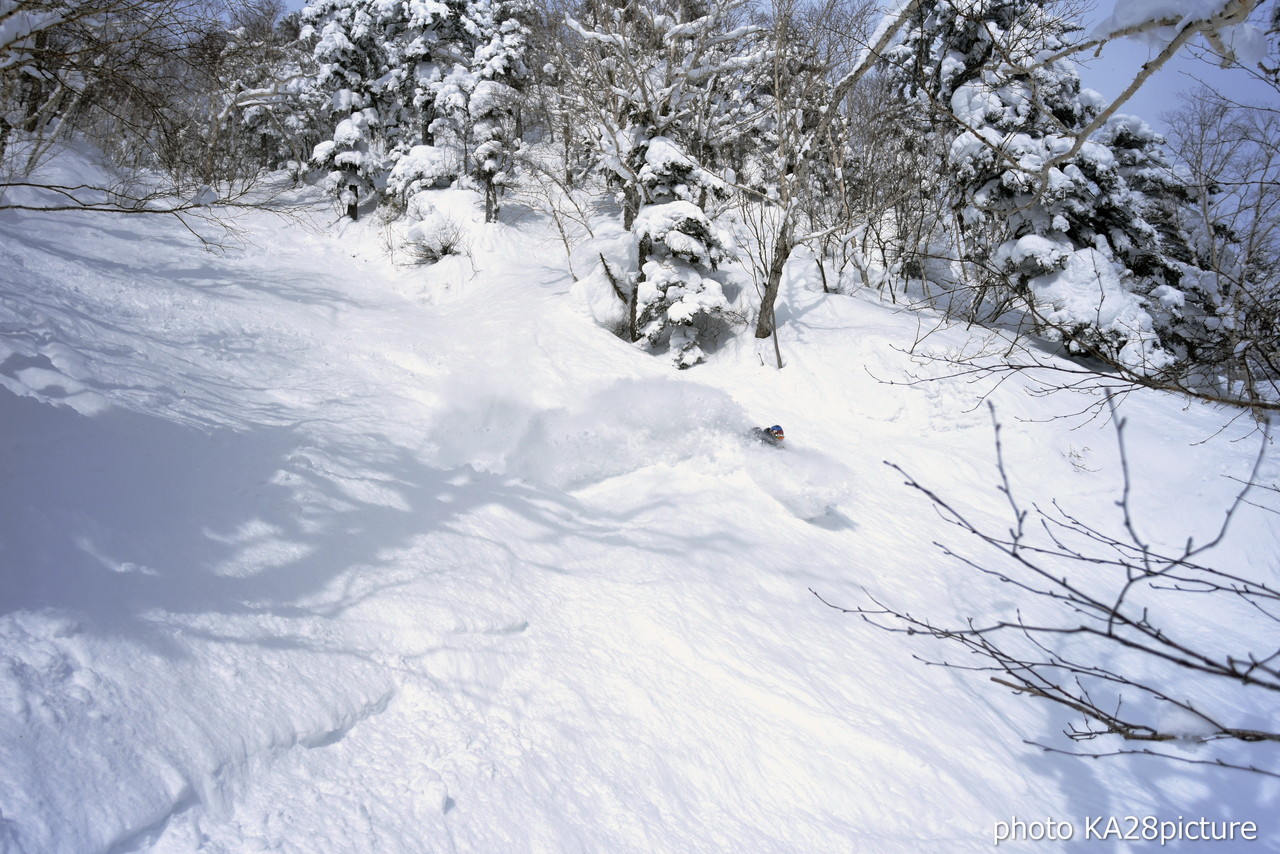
x: 1121, y: 61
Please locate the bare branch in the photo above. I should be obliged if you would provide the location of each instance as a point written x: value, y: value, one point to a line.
x: 1107, y: 629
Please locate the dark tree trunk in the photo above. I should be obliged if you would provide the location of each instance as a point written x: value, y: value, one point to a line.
x: 490, y: 202
x: 646, y: 247
x: 781, y: 251
x: 35, y: 91
x: 630, y: 206
x: 567, y: 137
x: 428, y: 116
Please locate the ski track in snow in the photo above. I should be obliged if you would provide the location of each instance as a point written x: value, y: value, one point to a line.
x: 307, y: 552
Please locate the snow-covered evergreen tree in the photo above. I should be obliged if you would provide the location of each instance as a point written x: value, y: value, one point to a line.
x: 351, y: 53
x: 498, y: 63
x: 660, y: 81
x: 490, y: 109
x: 1072, y: 238
x: 404, y: 74
x: 677, y: 296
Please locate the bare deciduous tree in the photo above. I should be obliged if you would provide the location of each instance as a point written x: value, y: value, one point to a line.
x: 805, y: 183
x: 157, y: 87
x: 1231, y: 152
x: 1106, y: 626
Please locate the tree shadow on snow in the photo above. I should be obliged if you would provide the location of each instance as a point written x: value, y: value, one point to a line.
x: 1178, y: 790
x: 211, y: 277
x: 116, y: 519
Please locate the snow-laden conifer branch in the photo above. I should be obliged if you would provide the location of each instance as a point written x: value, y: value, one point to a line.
x: 1234, y: 12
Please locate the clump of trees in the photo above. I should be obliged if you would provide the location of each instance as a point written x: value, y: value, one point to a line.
x: 657, y: 87
x: 944, y: 151
x: 1229, y: 155
x: 1031, y: 228
x: 432, y: 82
x: 186, y: 103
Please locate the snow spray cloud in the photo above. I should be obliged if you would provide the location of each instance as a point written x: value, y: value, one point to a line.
x: 624, y: 428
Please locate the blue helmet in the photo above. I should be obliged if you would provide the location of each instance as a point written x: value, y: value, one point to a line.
x: 776, y: 432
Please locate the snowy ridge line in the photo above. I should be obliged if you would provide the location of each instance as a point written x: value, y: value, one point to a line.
x: 328, y: 736
x: 146, y: 836
x: 188, y: 798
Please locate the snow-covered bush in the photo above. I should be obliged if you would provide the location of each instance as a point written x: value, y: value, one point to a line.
x: 433, y: 237
x: 607, y: 286
x: 424, y: 167
x: 1085, y: 303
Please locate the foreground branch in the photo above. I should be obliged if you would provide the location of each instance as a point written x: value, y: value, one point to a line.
x: 1104, y: 628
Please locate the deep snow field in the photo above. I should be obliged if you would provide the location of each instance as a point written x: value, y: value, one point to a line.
x: 304, y: 551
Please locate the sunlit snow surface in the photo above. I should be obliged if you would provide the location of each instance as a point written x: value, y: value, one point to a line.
x: 302, y: 551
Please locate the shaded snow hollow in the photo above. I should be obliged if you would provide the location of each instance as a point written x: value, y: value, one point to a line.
x: 305, y: 552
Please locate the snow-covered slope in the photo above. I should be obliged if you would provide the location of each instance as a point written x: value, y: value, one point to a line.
x: 302, y: 551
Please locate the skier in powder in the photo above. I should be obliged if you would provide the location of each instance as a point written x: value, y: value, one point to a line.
x: 769, y: 435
